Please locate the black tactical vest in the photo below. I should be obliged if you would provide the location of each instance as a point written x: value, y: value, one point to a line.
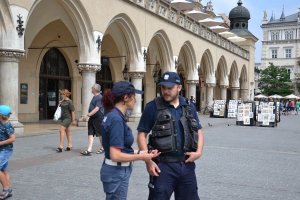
x: 164, y: 135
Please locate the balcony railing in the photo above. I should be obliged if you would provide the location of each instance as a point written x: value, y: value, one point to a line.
x: 166, y: 11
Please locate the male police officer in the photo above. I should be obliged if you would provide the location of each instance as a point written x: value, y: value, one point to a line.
x: 176, y: 132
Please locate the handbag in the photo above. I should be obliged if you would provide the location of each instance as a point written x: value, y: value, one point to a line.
x: 57, y: 114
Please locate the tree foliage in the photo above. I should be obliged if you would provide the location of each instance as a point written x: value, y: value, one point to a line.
x: 297, y: 81
x: 275, y: 80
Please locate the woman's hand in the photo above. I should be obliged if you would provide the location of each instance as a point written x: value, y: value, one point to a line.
x: 74, y: 122
x: 147, y: 156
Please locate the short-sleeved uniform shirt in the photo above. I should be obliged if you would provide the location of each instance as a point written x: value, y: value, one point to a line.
x: 67, y: 108
x: 96, y: 102
x: 116, y: 133
x: 148, y: 119
x: 6, y: 130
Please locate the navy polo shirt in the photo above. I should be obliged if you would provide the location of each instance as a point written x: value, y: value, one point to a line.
x: 116, y: 133
x: 148, y: 119
x: 96, y: 102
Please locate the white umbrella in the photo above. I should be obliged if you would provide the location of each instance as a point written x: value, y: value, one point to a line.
x: 275, y: 96
x: 218, y: 28
x: 236, y: 39
x: 210, y: 22
x: 197, y: 14
x: 261, y: 96
x: 227, y: 34
x: 182, y: 4
x: 291, y: 96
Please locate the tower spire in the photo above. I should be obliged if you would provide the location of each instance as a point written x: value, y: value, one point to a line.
x: 282, y: 17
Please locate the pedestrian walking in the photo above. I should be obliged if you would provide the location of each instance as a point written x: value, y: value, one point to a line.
x: 193, y: 100
x: 297, y: 106
x: 7, y: 138
x: 67, y: 118
x: 94, y: 117
x: 176, y: 133
x: 117, y: 142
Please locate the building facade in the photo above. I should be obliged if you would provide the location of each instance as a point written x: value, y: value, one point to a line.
x: 47, y: 45
x: 281, y: 42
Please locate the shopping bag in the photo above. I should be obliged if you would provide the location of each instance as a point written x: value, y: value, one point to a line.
x: 57, y: 114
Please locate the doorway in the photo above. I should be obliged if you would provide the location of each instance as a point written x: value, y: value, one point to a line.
x: 54, y: 76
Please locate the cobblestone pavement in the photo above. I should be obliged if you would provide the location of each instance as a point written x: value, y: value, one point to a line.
x: 239, y: 163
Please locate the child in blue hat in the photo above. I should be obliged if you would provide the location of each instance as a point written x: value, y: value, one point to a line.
x: 7, y: 138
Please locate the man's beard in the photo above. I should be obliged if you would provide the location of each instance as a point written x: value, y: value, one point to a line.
x: 169, y: 98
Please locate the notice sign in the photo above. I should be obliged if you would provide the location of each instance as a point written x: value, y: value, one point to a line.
x: 23, y: 93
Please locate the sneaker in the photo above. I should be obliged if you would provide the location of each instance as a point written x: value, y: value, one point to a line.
x: 6, y: 193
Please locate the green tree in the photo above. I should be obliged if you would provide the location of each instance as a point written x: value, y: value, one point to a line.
x: 297, y: 81
x: 275, y: 80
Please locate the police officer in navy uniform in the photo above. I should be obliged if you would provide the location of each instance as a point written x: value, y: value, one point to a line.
x: 173, y: 128
x: 117, y: 142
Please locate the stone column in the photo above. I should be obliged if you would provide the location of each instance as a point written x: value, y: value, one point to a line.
x: 9, y: 84
x: 137, y: 82
x: 244, y: 94
x: 210, y: 94
x: 235, y: 93
x: 88, y: 72
x: 223, y: 89
x: 192, y: 88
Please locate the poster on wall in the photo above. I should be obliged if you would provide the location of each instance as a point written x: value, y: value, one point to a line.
x: 23, y: 93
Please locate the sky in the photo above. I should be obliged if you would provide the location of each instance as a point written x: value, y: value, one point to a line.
x: 256, y: 9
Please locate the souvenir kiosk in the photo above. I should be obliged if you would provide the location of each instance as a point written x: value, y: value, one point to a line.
x: 246, y: 113
x: 267, y: 114
x: 219, y: 108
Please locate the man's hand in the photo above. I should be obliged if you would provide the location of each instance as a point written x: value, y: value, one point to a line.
x: 192, y: 156
x: 152, y: 168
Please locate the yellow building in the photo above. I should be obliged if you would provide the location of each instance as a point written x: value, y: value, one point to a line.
x: 49, y: 45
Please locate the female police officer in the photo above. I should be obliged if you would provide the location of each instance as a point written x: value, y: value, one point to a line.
x: 117, y: 140
x: 176, y: 133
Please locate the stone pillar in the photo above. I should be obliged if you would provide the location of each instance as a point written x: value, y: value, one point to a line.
x: 210, y: 94
x: 223, y: 89
x: 192, y: 88
x: 88, y: 72
x: 235, y: 93
x: 9, y: 84
x: 137, y: 82
x: 244, y: 94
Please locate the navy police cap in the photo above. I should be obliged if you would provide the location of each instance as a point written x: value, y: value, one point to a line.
x: 124, y: 87
x: 169, y: 79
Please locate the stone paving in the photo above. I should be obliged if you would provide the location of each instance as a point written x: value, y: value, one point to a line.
x: 239, y: 163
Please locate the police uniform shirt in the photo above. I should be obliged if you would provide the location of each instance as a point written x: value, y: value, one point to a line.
x: 148, y: 119
x: 116, y: 133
